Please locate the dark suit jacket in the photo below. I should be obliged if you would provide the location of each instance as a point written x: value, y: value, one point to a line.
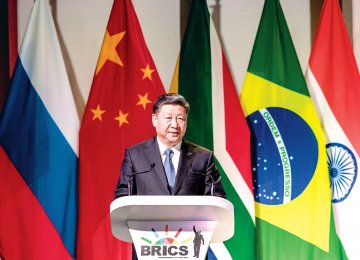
x: 195, y: 173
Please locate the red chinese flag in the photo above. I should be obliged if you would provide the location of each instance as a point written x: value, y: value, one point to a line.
x: 117, y: 115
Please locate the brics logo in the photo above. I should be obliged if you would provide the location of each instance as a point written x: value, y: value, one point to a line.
x: 164, y: 250
x: 165, y: 246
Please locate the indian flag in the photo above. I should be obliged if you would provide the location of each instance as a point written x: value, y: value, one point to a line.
x: 291, y: 182
x: 334, y: 83
x: 216, y: 121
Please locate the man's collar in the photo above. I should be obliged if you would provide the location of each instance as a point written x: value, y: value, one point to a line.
x: 163, y: 147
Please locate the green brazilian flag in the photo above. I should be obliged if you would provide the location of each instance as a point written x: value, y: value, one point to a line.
x: 217, y: 122
x: 291, y: 182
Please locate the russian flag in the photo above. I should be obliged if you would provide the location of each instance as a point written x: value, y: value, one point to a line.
x: 39, y: 150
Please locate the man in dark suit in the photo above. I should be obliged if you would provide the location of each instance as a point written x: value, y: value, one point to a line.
x: 167, y: 164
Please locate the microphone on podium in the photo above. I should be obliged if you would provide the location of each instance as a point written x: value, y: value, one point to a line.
x: 213, y: 182
x: 131, y: 177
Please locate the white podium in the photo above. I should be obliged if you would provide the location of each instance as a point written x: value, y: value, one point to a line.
x: 172, y: 227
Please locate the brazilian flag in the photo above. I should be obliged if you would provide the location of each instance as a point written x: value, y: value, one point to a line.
x: 290, y: 176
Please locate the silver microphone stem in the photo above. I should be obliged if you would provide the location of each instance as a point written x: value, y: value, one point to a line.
x: 129, y: 187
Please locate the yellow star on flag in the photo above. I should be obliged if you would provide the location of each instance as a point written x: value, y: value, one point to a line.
x: 97, y: 113
x: 143, y: 100
x: 122, y: 118
x: 147, y: 72
x: 108, y: 50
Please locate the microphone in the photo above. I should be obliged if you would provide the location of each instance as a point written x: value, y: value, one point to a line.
x: 213, y: 182
x: 131, y: 177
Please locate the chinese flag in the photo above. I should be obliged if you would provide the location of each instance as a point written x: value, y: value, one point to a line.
x: 117, y: 115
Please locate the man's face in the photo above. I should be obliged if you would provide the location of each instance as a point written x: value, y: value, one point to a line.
x: 170, y: 123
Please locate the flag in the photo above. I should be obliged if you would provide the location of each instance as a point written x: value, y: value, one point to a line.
x: 117, y: 115
x: 38, y: 155
x: 291, y: 183
x: 216, y: 121
x: 334, y: 84
x: 356, y: 29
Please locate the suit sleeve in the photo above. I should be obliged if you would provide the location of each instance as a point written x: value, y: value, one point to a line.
x: 125, y: 173
x: 212, y: 170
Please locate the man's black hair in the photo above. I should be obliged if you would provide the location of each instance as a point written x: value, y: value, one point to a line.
x: 170, y: 99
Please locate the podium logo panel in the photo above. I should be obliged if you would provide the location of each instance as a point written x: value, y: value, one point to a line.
x: 165, y: 245
x: 172, y: 240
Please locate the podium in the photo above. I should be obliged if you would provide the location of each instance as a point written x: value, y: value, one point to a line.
x: 172, y: 227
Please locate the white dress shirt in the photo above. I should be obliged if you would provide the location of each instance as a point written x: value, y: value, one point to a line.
x: 175, y: 156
